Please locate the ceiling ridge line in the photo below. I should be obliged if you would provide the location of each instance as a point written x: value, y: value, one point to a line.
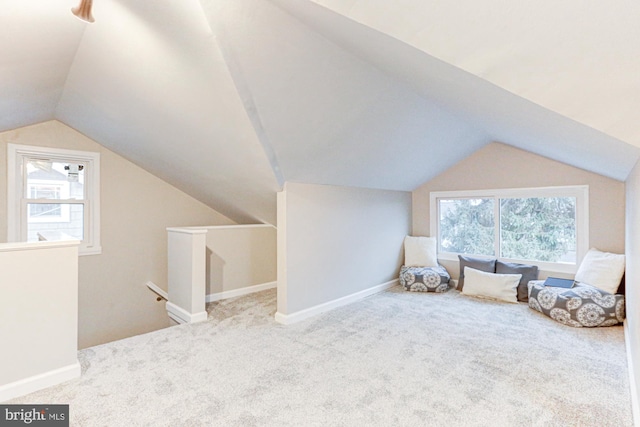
x: 63, y: 89
x: 248, y: 103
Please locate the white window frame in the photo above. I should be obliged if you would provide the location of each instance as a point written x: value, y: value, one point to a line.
x: 17, y: 155
x: 580, y: 192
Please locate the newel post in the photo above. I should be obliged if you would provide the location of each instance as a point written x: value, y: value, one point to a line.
x: 187, y: 274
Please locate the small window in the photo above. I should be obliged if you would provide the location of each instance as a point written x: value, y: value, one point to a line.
x: 54, y: 194
x: 545, y: 226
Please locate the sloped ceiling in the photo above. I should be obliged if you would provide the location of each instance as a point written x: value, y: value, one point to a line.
x: 502, y: 115
x: 226, y: 100
x: 149, y: 82
x: 329, y: 116
x: 579, y: 59
x: 37, y: 47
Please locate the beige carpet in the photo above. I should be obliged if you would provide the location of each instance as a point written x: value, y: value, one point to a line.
x: 393, y: 359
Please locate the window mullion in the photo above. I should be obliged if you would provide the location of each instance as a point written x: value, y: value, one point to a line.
x: 57, y: 201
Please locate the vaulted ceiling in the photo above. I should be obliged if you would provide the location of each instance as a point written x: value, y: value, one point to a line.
x: 227, y: 100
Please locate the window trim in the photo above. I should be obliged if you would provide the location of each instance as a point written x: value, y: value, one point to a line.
x: 580, y: 192
x: 16, y: 156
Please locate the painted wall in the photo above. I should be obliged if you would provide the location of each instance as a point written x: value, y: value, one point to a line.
x: 337, y: 241
x: 501, y: 166
x: 632, y: 279
x: 38, y: 316
x: 136, y: 209
x: 239, y: 257
x: 208, y: 264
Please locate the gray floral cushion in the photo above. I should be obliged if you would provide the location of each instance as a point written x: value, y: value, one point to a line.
x: 425, y: 279
x: 582, y: 305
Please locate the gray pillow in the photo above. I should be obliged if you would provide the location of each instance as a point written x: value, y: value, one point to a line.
x: 529, y: 272
x: 482, y: 264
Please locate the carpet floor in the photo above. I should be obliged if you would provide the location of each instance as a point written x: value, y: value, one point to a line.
x: 393, y: 359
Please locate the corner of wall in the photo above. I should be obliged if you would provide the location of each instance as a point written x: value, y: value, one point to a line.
x: 632, y: 249
x: 281, y: 243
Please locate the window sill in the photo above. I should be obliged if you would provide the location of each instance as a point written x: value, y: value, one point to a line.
x: 551, y: 267
x: 90, y: 251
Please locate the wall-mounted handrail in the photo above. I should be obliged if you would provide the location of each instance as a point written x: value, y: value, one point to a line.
x: 156, y: 289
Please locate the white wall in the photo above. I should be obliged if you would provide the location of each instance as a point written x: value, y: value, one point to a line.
x: 632, y: 279
x: 238, y: 257
x: 212, y: 263
x: 334, y: 242
x: 502, y: 166
x: 136, y: 209
x: 38, y: 316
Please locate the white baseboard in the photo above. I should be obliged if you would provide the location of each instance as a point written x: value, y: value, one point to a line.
x: 38, y: 382
x: 287, y: 319
x: 239, y: 292
x: 632, y: 379
x: 181, y: 315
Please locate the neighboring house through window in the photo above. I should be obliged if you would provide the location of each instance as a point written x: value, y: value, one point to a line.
x: 546, y: 226
x: 54, y: 194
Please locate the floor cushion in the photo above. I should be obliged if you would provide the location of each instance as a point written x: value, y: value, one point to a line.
x: 424, y: 279
x: 580, y: 306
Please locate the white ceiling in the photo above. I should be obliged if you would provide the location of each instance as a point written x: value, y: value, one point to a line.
x: 227, y: 100
x: 580, y: 59
x: 149, y: 82
x: 500, y: 114
x: 37, y: 46
x: 330, y: 117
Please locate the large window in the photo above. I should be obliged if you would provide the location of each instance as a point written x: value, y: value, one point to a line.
x: 54, y: 194
x: 548, y: 226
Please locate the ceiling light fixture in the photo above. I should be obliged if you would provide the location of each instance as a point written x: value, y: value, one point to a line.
x: 83, y: 11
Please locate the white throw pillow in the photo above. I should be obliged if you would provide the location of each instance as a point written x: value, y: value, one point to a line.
x: 603, y: 270
x: 502, y: 287
x: 420, y: 252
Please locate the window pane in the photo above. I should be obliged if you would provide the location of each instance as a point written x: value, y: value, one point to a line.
x: 539, y: 229
x: 43, y: 191
x: 43, y: 224
x: 54, y: 180
x: 45, y: 211
x: 467, y: 226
